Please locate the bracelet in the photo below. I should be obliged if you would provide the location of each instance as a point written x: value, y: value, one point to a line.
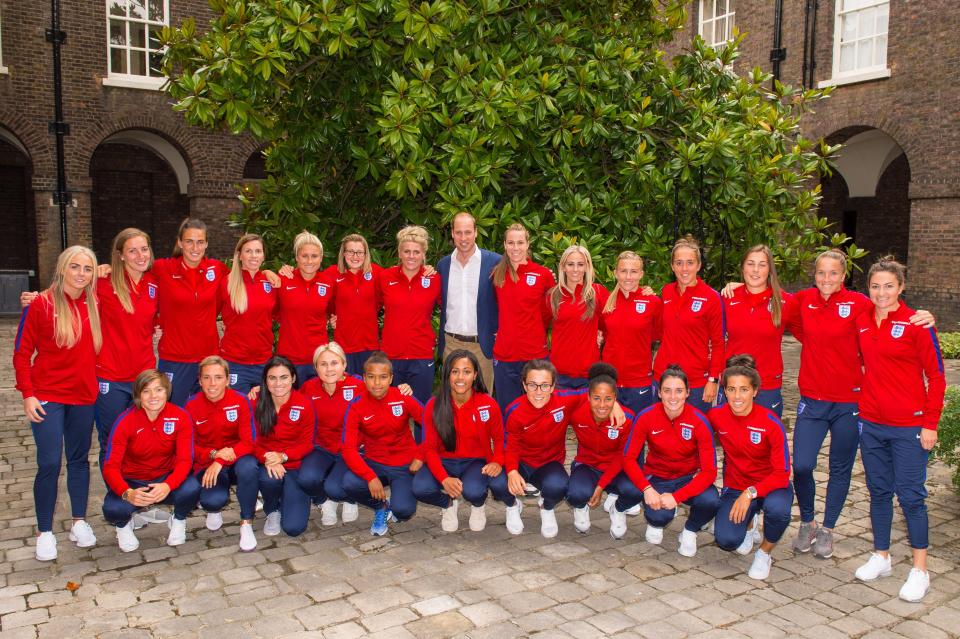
x: 213, y: 453
x: 126, y: 494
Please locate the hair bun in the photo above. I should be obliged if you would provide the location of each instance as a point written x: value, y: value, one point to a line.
x: 742, y: 359
x: 599, y: 369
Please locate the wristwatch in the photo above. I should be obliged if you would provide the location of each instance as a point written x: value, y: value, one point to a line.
x: 213, y: 453
x: 284, y: 458
x: 752, y: 491
x: 712, y: 380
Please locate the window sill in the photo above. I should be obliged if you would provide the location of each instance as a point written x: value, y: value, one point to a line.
x: 4, y: 70
x: 134, y: 82
x: 855, y: 78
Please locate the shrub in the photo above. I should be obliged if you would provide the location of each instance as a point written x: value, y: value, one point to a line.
x: 950, y: 345
x: 948, y: 434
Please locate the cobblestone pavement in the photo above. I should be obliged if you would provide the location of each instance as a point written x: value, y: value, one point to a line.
x: 339, y: 582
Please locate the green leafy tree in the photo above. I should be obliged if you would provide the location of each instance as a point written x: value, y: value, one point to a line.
x: 565, y: 116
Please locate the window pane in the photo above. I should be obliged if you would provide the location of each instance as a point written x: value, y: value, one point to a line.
x: 138, y: 62
x: 868, y: 18
x: 155, y: 8
x: 883, y: 16
x: 118, y: 8
x: 849, y: 29
x: 880, y: 55
x: 138, y: 9
x: 865, y: 54
x: 156, y: 64
x: 155, y: 38
x: 118, y: 60
x: 138, y: 34
x: 847, y: 60
x: 118, y: 32
x: 852, y: 5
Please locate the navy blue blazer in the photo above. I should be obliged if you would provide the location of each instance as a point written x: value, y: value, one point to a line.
x: 486, y: 301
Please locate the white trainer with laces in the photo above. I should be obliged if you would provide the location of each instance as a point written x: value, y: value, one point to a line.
x: 248, y: 539
x: 609, y: 502
x: 82, y: 534
x: 450, y: 520
x: 478, y: 518
x: 126, y: 538
x: 328, y: 513
x: 178, y: 531
x: 350, y: 512
x: 916, y: 586
x: 214, y: 521
x: 877, y: 566
x: 514, y: 521
x: 618, y: 524
x: 634, y: 510
x: 271, y: 527
x: 548, y: 523
x: 581, y: 519
x: 746, y: 546
x: 46, y: 546
x: 760, y: 569
x: 653, y: 535
x: 688, y: 543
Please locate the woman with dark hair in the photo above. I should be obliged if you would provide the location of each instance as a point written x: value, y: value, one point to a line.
x: 599, y: 461
x: 756, y: 467
x: 148, y: 461
x: 463, y: 443
x: 285, y: 426
x: 680, y: 466
x: 900, y: 408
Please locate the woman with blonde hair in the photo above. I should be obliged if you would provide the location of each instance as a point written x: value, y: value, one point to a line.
x: 247, y: 300
x: 575, y: 304
x: 59, y: 387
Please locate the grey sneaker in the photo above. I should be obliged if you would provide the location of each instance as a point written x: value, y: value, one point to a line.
x: 823, y: 545
x: 805, y: 536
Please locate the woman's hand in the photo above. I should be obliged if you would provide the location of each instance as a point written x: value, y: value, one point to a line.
x: 710, y: 392
x: 493, y: 469
x: 33, y: 409
x: 667, y: 502
x: 928, y: 438
x: 516, y: 484
x: 405, y: 389
x: 453, y: 487
x: 272, y: 277
x: 158, y: 492
x: 740, y: 508
x: 646, y: 290
x: 599, y: 338
x: 227, y: 454
x: 286, y: 271
x: 617, y: 416
x: 652, y: 498
x: 27, y: 297
x: 921, y: 318
x: 595, y: 498
x: 729, y: 289
x: 272, y: 458
x: 209, y: 479
x: 416, y: 465
x: 254, y: 393
x: 103, y: 270
x: 428, y: 270
x: 275, y: 471
x: 376, y: 489
x: 332, y: 321
x: 140, y: 497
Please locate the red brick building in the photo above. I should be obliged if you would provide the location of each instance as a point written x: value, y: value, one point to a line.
x: 132, y: 161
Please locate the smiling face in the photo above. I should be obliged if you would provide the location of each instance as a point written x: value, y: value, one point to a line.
x: 136, y: 255
x: 885, y: 290
x: 153, y: 397
x: 462, y: 377
x: 330, y: 368
x: 740, y: 393
x: 280, y: 381
x: 829, y: 276
x: 673, y: 395
x: 213, y: 382
x: 629, y: 273
x: 251, y: 256
x: 538, y: 386
x: 515, y: 245
x: 575, y: 269
x: 309, y: 258
x: 685, y: 265
x: 602, y: 399
x: 193, y: 245
x: 756, y: 271
x: 411, y: 256
x: 464, y: 234
x: 77, y: 275
x: 377, y: 378
x: 354, y: 255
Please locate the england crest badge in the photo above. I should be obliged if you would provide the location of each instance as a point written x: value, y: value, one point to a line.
x: 368, y: 276
x: 843, y: 310
x: 211, y: 275
x: 397, y: 410
x: 558, y: 416
x: 104, y: 388
x: 233, y: 378
x: 896, y: 331
x: 531, y: 279
x: 266, y: 287
x: 232, y: 414
x: 641, y: 306
x: 322, y: 290
x: 484, y: 414
x: 696, y: 305
x: 169, y: 427
x: 613, y: 433
x: 425, y: 282
x: 348, y: 394
x: 152, y: 291
x: 169, y: 376
x: 686, y: 432
x: 755, y: 436
x: 294, y: 414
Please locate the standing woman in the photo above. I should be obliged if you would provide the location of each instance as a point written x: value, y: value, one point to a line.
x: 575, y: 304
x: 303, y: 299
x: 680, y: 466
x: 188, y: 285
x: 59, y: 388
x: 223, y: 448
x: 247, y: 300
x: 148, y: 461
x: 900, y: 407
x: 756, y: 467
x: 463, y: 445
x: 520, y: 285
x: 756, y: 316
x: 357, y: 300
x: 631, y: 323
x: 128, y: 309
x: 599, y: 459
x: 692, y: 326
x: 285, y: 425
x: 409, y: 299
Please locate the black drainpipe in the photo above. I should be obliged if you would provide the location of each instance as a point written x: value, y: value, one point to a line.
x: 58, y: 127
x: 812, y: 66
x: 778, y: 53
x: 806, y: 43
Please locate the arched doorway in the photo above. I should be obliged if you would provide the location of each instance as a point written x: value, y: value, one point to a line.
x: 18, y: 241
x: 867, y: 196
x: 139, y: 179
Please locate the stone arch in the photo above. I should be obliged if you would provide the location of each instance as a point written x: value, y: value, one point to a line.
x: 18, y: 243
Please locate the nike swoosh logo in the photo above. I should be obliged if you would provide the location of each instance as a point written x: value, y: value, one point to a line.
x: 641, y: 392
x: 812, y: 306
x: 138, y: 431
x: 918, y: 436
x: 721, y: 432
x: 392, y: 283
x: 856, y: 413
x: 340, y: 279
x: 775, y: 405
x: 864, y: 330
x: 177, y: 277
x: 657, y: 432
x: 290, y: 288
x: 201, y: 421
x: 734, y: 303
x: 368, y: 418
x: 667, y: 301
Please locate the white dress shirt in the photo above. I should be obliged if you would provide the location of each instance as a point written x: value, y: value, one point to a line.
x: 463, y: 288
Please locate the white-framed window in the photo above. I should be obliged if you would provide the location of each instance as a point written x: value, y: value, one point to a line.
x: 134, y: 52
x: 717, y: 21
x: 3, y: 69
x: 860, y: 41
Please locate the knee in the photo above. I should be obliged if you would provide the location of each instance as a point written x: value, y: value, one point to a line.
x: 354, y: 485
x: 579, y: 493
x: 659, y: 518
x: 475, y: 492
x: 333, y: 486
x: 246, y: 468
x: 912, y: 502
x: 213, y: 500
x: 424, y: 484
x: 778, y: 511
x: 294, y: 528
x: 115, y: 510
x: 188, y: 491
x: 629, y: 493
x: 804, y: 466
x: 707, y: 500
x: 727, y: 537
x: 555, y: 485
x: 403, y: 510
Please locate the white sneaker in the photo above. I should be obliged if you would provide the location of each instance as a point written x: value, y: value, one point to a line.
x: 156, y: 516
x: 876, y: 566
x: 653, y: 535
x: 634, y: 510
x: 82, y: 534
x: 248, y: 540
x: 478, y: 518
x: 214, y: 521
x: 328, y: 513
x: 350, y: 512
x: 746, y: 546
x: 514, y: 521
x: 688, y: 543
x: 709, y: 527
x: 127, y: 539
x: 609, y: 502
x: 548, y: 523
x: 618, y: 524
x: 916, y: 586
x: 760, y: 568
x: 178, y: 531
x: 755, y: 529
x: 581, y: 519
x: 271, y: 527
x: 46, y: 546
x: 449, y: 521
x: 138, y: 521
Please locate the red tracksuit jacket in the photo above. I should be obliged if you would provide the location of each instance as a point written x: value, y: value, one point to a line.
x: 127, y: 337
x: 331, y: 409
x: 629, y: 332
x: 830, y: 364
x: 573, y: 347
x: 478, y: 424
x: 897, y: 356
x: 302, y: 313
x: 750, y: 330
x: 754, y: 449
x: 408, y: 306
x: 692, y: 332
x: 383, y: 426
x: 63, y: 375
x: 248, y: 336
x: 523, y: 320
x: 537, y: 436
x: 357, y: 304
x: 145, y: 450
x: 221, y: 424
x: 600, y: 445
x: 293, y: 432
x: 189, y: 305
x: 675, y: 448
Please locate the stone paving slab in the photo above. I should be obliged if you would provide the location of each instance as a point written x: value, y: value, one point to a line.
x: 419, y: 582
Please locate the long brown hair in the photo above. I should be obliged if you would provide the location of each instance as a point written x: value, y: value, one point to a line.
x: 776, y: 303
x: 499, y: 273
x: 187, y: 224
x: 118, y: 278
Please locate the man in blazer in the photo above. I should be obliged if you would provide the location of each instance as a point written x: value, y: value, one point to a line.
x: 468, y: 306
